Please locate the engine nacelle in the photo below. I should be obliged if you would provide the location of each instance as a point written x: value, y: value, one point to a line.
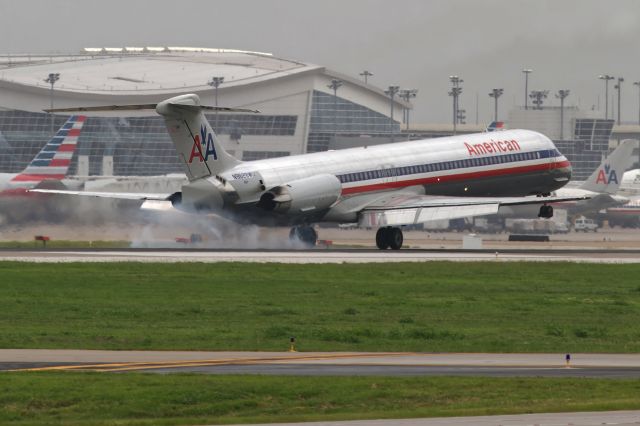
x: 202, y: 195
x: 306, y: 195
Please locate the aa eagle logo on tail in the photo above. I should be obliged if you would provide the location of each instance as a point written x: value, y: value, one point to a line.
x: 203, y: 146
x: 607, y: 175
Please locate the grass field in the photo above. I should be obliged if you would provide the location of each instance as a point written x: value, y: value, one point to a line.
x: 494, y: 307
x: 144, y: 399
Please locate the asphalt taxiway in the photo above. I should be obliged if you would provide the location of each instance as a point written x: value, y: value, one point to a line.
x: 619, y: 366
x: 615, y: 366
x: 317, y: 256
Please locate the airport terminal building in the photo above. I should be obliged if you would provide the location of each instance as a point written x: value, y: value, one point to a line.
x: 298, y: 110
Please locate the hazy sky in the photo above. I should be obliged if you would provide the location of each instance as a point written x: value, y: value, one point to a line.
x: 414, y: 44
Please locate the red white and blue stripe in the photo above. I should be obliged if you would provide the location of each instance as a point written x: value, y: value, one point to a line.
x: 52, y: 162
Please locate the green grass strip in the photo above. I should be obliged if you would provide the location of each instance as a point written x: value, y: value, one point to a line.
x: 177, y: 399
x: 432, y: 306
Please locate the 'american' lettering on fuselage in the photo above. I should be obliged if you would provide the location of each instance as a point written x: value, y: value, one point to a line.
x: 492, y: 147
x: 203, y: 144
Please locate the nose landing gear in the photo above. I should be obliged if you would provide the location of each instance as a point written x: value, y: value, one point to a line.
x: 546, y: 211
x: 389, y: 237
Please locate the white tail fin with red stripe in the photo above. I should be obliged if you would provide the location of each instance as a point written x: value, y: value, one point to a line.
x: 53, y: 160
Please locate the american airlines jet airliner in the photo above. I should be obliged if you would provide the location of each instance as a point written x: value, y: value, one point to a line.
x: 383, y: 186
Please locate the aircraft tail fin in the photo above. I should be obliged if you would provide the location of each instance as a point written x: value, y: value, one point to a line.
x: 495, y: 126
x: 607, y: 177
x: 198, y: 147
x: 53, y: 160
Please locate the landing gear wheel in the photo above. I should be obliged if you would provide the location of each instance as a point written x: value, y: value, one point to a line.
x: 389, y: 237
x: 395, y: 238
x: 546, y: 211
x: 305, y: 234
x: 382, y: 239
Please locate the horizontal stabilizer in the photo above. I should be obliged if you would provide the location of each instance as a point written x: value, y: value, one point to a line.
x: 141, y: 107
x: 111, y: 195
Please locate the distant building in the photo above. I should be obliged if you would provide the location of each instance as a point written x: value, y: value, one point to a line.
x: 299, y: 112
x: 582, y: 138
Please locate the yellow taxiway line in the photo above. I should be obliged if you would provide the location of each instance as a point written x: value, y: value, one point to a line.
x: 132, y: 366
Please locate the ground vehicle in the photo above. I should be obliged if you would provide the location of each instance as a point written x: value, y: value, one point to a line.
x: 584, y: 224
x: 488, y: 225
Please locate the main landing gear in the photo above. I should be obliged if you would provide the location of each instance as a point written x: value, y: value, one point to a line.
x: 389, y: 237
x: 546, y: 211
x: 305, y: 234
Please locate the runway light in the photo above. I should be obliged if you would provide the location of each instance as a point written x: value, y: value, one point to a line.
x: 567, y: 359
x: 292, y: 344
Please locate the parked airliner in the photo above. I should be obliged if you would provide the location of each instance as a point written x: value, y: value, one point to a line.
x: 630, y: 184
x: 383, y: 186
x: 51, y: 164
x: 600, y: 188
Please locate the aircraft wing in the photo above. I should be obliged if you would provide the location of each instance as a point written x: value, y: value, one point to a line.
x: 112, y: 195
x: 411, y: 209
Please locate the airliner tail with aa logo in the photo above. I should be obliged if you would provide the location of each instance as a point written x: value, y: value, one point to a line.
x: 606, y: 178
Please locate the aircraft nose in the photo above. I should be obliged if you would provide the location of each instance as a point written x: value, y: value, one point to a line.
x: 568, y: 170
x: 563, y: 173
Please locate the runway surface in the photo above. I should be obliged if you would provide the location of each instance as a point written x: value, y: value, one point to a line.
x: 619, y: 418
x: 317, y: 256
x: 618, y: 366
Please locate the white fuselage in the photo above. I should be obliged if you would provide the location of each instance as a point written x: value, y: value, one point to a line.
x: 5, y: 180
x: 630, y: 183
x: 433, y: 163
x: 508, y: 163
x: 16, y: 184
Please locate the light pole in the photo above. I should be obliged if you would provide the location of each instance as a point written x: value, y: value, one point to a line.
x: 51, y: 79
x: 455, y: 92
x: 637, y: 83
x: 392, y: 91
x: 215, y: 82
x: 407, y: 95
x: 561, y: 95
x: 538, y: 97
x: 462, y: 116
x: 495, y: 94
x: 606, y: 78
x: 366, y: 74
x: 335, y: 85
x: 526, y: 72
x: 619, y: 87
